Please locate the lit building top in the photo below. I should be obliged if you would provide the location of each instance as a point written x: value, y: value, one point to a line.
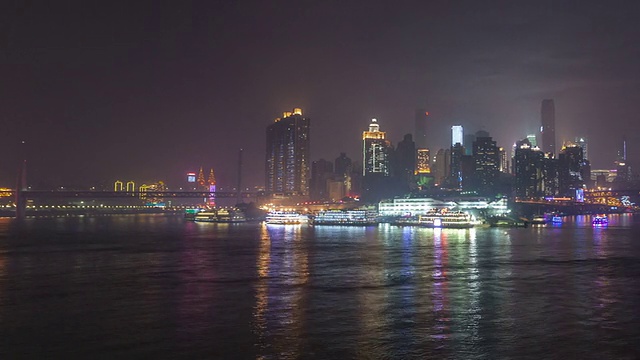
x: 423, y: 165
x: 457, y: 135
x: 374, y: 131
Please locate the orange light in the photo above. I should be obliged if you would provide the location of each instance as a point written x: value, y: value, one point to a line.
x: 426, y: 113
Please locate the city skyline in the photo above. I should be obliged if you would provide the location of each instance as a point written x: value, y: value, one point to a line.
x: 99, y: 97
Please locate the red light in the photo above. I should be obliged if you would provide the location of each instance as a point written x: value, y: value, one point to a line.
x: 426, y: 113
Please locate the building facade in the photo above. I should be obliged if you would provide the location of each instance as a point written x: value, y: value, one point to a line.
x: 548, y: 128
x: 287, y: 160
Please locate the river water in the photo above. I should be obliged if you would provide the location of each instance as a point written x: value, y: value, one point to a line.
x: 156, y: 286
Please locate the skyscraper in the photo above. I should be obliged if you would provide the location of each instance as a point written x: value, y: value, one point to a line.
x: 582, y: 142
x: 420, y: 128
x: 321, y: 172
x: 532, y: 140
x: 423, y: 163
x: 375, y: 151
x: 527, y: 164
x: 486, y: 155
x: 375, y: 158
x: 287, y: 160
x: 548, y: 129
x: 570, y: 163
x: 457, y: 135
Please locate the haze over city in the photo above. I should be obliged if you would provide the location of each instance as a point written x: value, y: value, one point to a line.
x: 150, y: 91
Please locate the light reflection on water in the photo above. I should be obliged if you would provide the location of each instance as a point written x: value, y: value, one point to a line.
x: 258, y: 291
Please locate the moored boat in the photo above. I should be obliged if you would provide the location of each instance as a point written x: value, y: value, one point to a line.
x: 221, y: 215
x: 446, y: 219
x: 344, y: 217
x: 285, y: 218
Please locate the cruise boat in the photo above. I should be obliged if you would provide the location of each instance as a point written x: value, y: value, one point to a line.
x: 344, y: 217
x: 285, y: 218
x: 446, y: 219
x: 538, y: 220
x: 220, y: 216
x: 600, y: 220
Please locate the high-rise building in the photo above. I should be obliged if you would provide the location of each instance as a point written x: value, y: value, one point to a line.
x: 457, y: 152
x: 321, y: 172
x: 527, y: 164
x: 457, y: 135
x: 623, y: 169
x: 423, y: 163
x: 442, y: 165
x: 376, y: 169
x: 405, y: 156
x: 469, y: 139
x: 504, y: 161
x: 420, y: 128
x: 486, y: 155
x: 548, y: 129
x: 570, y: 163
x: 532, y: 140
x: 582, y: 142
x: 342, y: 164
x: 287, y: 160
x: 375, y: 151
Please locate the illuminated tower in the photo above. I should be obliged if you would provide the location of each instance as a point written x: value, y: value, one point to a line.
x: 212, y: 188
x: 287, y: 155
x: 201, y: 182
x: 375, y: 158
x: 582, y: 142
x: 457, y: 135
x: 548, y: 129
x: 423, y: 163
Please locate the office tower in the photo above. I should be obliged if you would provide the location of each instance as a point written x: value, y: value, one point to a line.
x: 321, y: 172
x: 582, y: 142
x: 420, y: 128
x: 550, y: 166
x: 442, y: 165
x: 570, y: 162
x: 455, y: 179
x: 532, y: 140
x: 423, y: 163
x: 623, y: 169
x: 342, y: 164
x: 504, y: 161
x: 469, y: 139
x: 548, y: 129
x: 376, y: 151
x: 528, y: 170
x: 287, y: 162
x: 457, y: 135
x: 405, y: 156
x: 486, y: 156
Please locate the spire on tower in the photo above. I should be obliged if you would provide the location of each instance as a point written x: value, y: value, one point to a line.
x: 212, y: 178
x: 201, y: 177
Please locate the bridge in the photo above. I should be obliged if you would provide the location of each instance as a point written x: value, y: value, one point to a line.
x: 96, y: 194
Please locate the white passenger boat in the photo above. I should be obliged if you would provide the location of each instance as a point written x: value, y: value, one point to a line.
x: 446, y: 219
x: 285, y: 218
x: 345, y: 217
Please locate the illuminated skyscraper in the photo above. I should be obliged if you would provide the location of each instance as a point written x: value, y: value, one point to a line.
x: 375, y: 151
x: 504, y: 161
x: 570, y: 164
x: 582, y: 142
x: 442, y: 164
x: 548, y: 129
x: 375, y: 158
x: 423, y: 163
x: 420, y: 128
x: 486, y: 155
x: 287, y: 158
x: 532, y: 140
x: 457, y: 135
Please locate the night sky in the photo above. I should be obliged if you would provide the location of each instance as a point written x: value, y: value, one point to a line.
x: 150, y: 90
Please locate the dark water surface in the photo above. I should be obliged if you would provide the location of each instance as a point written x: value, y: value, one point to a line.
x: 154, y: 286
